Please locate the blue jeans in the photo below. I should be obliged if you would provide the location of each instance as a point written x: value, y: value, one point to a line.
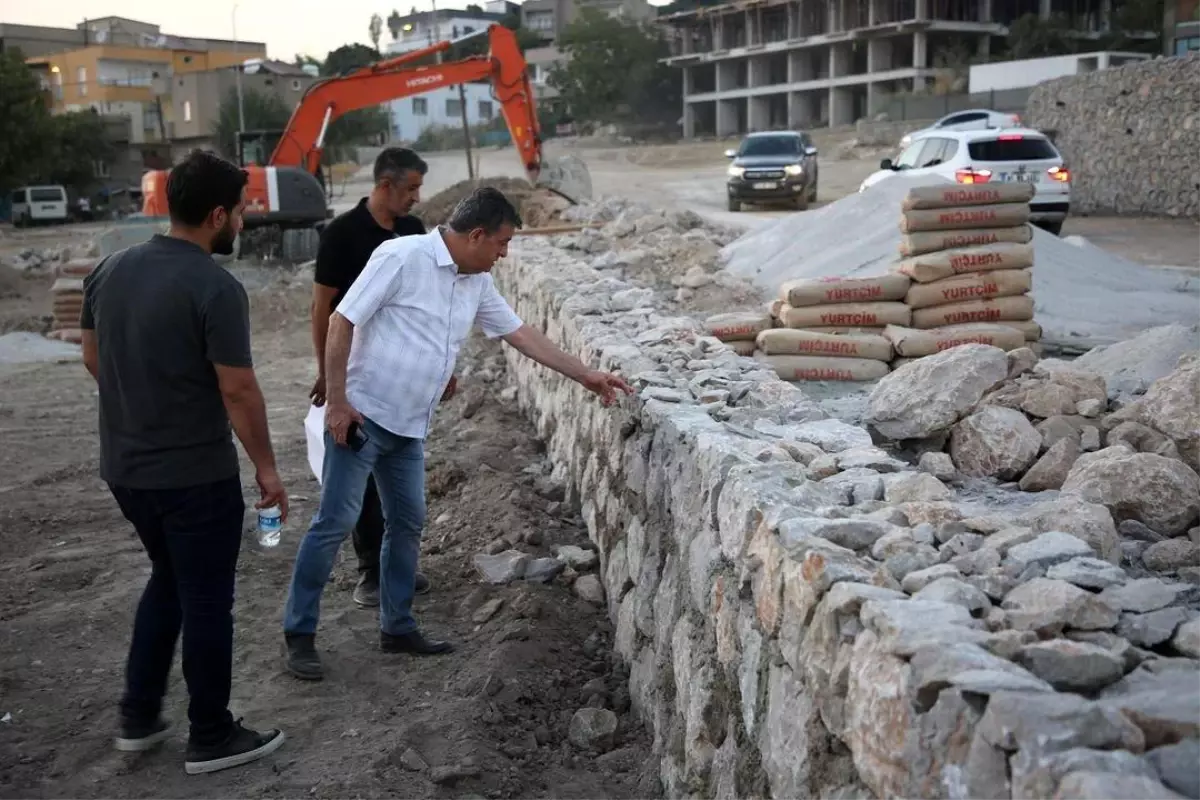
x: 398, y: 464
x: 192, y: 536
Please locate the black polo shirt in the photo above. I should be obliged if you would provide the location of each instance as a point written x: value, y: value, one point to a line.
x: 348, y: 242
x: 164, y: 313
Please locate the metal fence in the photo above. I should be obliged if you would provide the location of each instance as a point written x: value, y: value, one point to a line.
x: 935, y: 106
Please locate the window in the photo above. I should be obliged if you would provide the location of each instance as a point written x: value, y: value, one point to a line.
x: 540, y: 20
x: 46, y: 196
x: 187, y: 110
x: 420, y: 106
x: 485, y: 109
x: 81, y: 79
x: 295, y: 84
x: 100, y: 169
x: 1018, y: 148
x: 908, y: 157
x: 958, y: 119
x: 770, y: 146
x: 934, y: 152
x: 453, y: 107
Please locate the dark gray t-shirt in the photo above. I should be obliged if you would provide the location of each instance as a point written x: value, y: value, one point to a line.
x: 164, y: 312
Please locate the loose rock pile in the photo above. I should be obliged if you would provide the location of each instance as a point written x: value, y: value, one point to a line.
x: 806, y: 613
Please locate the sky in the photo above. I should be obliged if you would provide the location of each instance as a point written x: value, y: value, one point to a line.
x: 289, y: 27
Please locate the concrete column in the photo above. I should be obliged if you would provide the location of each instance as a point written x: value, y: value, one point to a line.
x: 922, y: 11
x: 758, y: 116
x: 873, y: 13
x: 726, y: 117
x: 985, y: 10
x: 879, y: 55
x: 687, y: 83
x: 793, y: 20
x: 920, y: 46
x: 878, y: 98
x: 751, y: 38
x: 719, y: 42
x: 841, y: 106
x: 839, y: 59
x: 1044, y: 9
x: 833, y: 16
x: 689, y: 120
x: 1106, y: 16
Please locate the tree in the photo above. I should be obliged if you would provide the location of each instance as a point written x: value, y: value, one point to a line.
x: 263, y: 112
x: 1031, y: 37
x: 38, y: 147
x: 394, y: 24
x: 376, y: 29
x: 348, y: 58
x: 360, y: 126
x: 24, y: 120
x: 613, y: 73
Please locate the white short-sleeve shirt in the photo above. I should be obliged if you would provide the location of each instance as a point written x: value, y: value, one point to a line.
x: 411, y: 311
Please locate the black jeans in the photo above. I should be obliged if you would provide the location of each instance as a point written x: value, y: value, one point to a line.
x: 193, y: 537
x: 368, y: 532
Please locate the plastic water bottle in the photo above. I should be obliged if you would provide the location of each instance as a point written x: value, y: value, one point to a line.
x: 270, y: 526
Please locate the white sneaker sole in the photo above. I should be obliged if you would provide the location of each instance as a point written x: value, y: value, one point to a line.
x: 216, y: 765
x: 143, y: 744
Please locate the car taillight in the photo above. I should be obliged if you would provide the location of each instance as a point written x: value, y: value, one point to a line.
x: 1060, y: 174
x: 1010, y: 137
x: 970, y: 175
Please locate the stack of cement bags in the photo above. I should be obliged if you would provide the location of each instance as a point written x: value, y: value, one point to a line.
x: 67, y: 292
x: 738, y: 329
x: 967, y: 250
x: 832, y: 328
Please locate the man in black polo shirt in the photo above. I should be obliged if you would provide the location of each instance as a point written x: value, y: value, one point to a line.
x: 346, y: 245
x: 166, y: 335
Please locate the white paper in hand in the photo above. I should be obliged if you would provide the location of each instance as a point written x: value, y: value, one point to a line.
x: 314, y: 431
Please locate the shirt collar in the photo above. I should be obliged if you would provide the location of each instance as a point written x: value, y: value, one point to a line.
x: 442, y: 253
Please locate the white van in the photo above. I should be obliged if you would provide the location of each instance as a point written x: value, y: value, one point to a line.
x: 34, y: 204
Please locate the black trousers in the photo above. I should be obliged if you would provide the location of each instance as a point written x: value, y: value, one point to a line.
x: 193, y: 537
x: 368, y: 532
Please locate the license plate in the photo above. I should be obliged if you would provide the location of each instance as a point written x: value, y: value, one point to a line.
x: 766, y: 185
x: 1019, y: 177
x: 47, y: 208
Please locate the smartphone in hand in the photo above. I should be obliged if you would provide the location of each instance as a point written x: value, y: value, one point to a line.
x: 356, y: 437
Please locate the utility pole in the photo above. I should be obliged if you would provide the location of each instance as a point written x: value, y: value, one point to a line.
x: 462, y: 97
x: 237, y: 76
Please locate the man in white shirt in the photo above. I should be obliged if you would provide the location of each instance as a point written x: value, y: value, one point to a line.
x: 392, y: 344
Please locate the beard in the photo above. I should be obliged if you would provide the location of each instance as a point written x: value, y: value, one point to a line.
x: 222, y: 243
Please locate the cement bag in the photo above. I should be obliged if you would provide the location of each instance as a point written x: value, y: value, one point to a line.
x: 1002, y: 215
x: 774, y: 307
x: 849, y: 315
x: 977, y: 286
x: 314, y: 432
x: 824, y: 291
x: 875, y: 330
x: 948, y: 196
x: 897, y: 363
x: 790, y: 341
x: 944, y: 264
x: 815, y: 368
x: 910, y: 342
x: 743, y: 347
x: 1028, y: 328
x: 914, y: 244
x: 1002, y: 308
x: 737, y: 325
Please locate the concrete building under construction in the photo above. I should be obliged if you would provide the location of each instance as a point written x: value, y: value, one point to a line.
x: 764, y: 64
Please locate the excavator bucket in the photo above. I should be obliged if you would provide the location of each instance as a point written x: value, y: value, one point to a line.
x: 568, y: 177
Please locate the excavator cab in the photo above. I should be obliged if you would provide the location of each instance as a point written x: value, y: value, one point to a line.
x: 254, y: 148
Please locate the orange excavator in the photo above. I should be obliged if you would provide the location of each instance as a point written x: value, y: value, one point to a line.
x: 288, y: 191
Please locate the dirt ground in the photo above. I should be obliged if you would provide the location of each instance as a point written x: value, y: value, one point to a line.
x: 488, y: 721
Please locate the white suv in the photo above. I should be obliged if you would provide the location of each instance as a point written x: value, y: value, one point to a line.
x: 989, y: 156
x: 971, y: 120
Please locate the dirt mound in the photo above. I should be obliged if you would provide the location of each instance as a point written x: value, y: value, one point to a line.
x: 436, y: 209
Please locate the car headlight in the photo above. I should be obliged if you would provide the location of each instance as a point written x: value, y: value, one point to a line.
x: 736, y: 172
x: 794, y: 169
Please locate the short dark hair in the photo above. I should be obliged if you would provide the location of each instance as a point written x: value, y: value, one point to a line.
x: 200, y: 183
x: 485, y: 208
x: 395, y: 161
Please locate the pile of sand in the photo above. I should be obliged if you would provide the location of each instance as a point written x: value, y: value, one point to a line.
x: 436, y: 210
x: 1085, y: 296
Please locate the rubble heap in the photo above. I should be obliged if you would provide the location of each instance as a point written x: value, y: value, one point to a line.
x: 805, y: 613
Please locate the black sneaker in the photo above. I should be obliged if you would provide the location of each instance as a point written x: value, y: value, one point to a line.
x: 139, y: 737
x: 413, y: 644
x: 241, y: 747
x: 366, y: 593
x: 302, y: 659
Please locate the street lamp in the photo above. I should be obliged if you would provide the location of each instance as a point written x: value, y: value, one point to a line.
x: 237, y: 75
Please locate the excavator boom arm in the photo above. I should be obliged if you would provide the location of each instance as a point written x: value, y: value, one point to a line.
x: 304, y: 138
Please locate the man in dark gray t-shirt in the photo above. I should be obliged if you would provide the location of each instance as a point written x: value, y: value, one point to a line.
x: 166, y: 335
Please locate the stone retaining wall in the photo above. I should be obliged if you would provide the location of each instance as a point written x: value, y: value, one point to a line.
x: 1130, y: 136
x: 773, y: 650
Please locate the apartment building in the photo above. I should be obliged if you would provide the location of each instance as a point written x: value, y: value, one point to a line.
x: 1181, y: 27
x: 765, y: 64
x: 550, y: 17
x: 441, y: 108
x: 128, y: 68
x: 424, y: 28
